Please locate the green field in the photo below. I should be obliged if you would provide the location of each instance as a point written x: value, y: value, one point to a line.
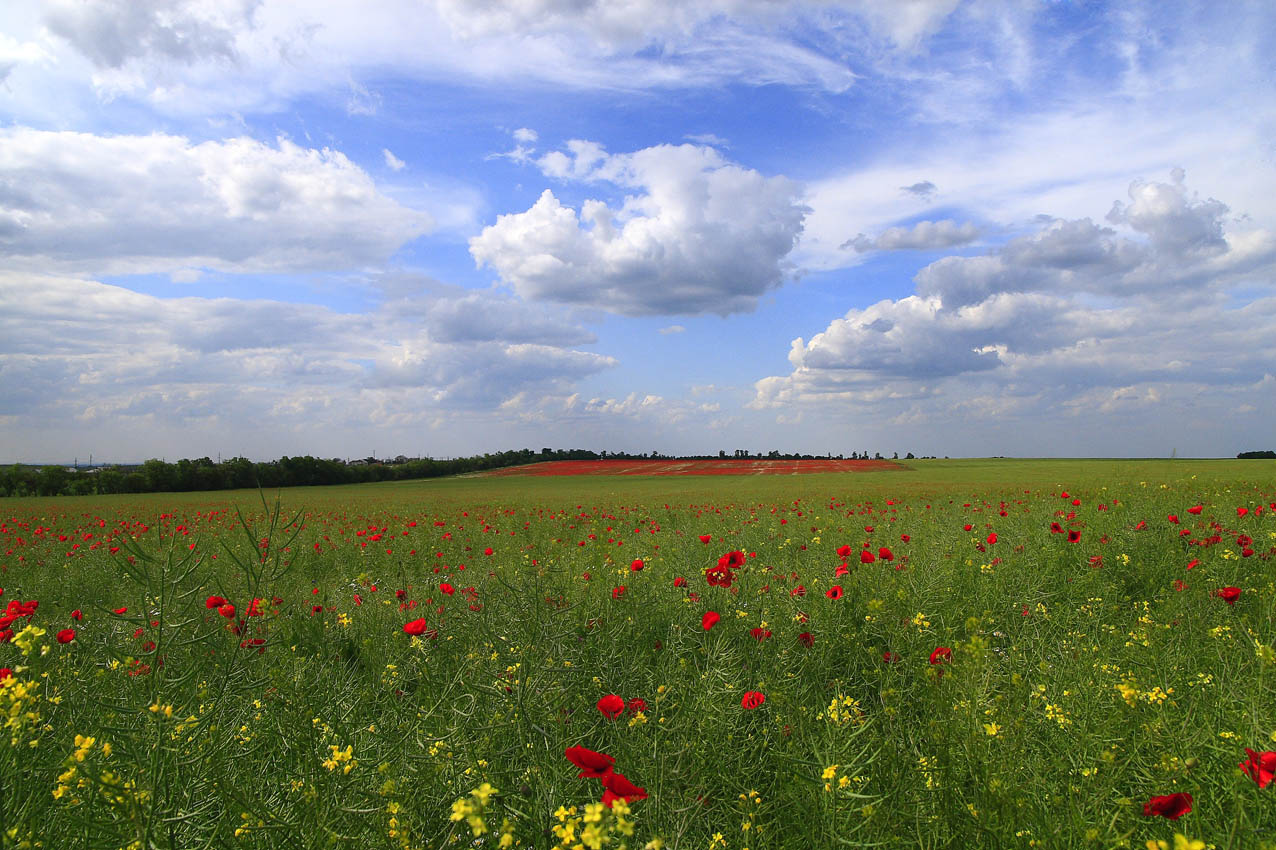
x: 1089, y: 669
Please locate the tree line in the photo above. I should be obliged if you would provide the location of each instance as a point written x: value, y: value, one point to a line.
x: 159, y: 476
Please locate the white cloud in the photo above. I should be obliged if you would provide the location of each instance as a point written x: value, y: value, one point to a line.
x: 113, y: 359
x: 126, y: 204
x: 697, y: 235
x: 523, y: 135
x: 671, y: 329
x: 1073, y: 319
x: 923, y: 236
x: 392, y: 162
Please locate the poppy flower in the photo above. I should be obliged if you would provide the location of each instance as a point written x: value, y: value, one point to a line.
x: 807, y: 639
x: 121, y: 610
x: 967, y: 527
x: 66, y: 635
x: 705, y: 538
x: 992, y: 537
x: 612, y: 706
x: 77, y: 615
x: 1074, y: 536
x: 1196, y: 509
x: 885, y: 554
x: 5, y: 672
x: 1172, y: 806
x: 414, y: 628
x: 636, y: 705
x: 709, y: 619
x: 1240, y: 512
x: 1228, y: 594
x: 760, y: 634
x: 1261, y: 767
x: 680, y: 582
x: 487, y: 551
x: 941, y: 655
x: 844, y: 551
x: 227, y: 610
x: 890, y: 657
x: 637, y: 565
x: 617, y: 592
x: 1195, y: 562
x: 905, y: 538
x: 617, y: 787
x: 214, y: 602
x: 834, y: 592
x: 731, y: 560
x: 593, y: 765
x: 752, y: 699
x: 841, y: 570
x: 447, y: 588
x: 866, y: 557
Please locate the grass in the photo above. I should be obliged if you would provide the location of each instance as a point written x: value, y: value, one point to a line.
x: 1082, y: 682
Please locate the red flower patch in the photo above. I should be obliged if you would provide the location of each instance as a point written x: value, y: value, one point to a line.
x: 1172, y: 806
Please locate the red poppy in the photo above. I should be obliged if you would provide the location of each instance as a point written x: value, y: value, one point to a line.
x: 227, y: 610
x: 66, y: 635
x: 941, y: 655
x: 885, y: 554
x: 617, y: 787
x: 760, y: 634
x: 637, y: 565
x: 834, y: 592
x: 77, y: 615
x: 992, y: 537
x: 612, y: 706
x: 592, y: 765
x: 680, y: 582
x: 617, y: 592
x: 866, y: 557
x: 807, y: 639
x: 214, y: 602
x: 1240, y: 512
x: 1173, y: 519
x: 636, y: 705
x: 844, y: 551
x: 731, y: 560
x: 1228, y: 594
x: 905, y: 538
x: 1074, y: 536
x: 447, y: 588
x: 967, y: 527
x: 414, y: 628
x: 1172, y: 806
x: 890, y: 657
x: 705, y: 538
x: 1194, y: 563
x: 841, y: 570
x: 121, y: 610
x: 709, y: 619
x: 487, y: 551
x: 752, y: 699
x: 1261, y: 767
x: 5, y: 672
x: 1195, y: 510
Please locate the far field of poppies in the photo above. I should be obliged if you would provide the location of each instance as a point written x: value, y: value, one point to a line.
x: 1056, y: 654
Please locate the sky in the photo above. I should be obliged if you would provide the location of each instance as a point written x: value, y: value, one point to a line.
x: 442, y: 228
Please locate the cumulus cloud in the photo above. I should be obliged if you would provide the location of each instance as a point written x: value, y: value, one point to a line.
x: 113, y: 32
x: 671, y: 329
x: 128, y: 204
x: 1073, y: 317
x: 107, y: 355
x: 923, y: 236
x: 696, y: 234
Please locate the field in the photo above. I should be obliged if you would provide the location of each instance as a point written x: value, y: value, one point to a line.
x: 693, y: 467
x: 956, y: 654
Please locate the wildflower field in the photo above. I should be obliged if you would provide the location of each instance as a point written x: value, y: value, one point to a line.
x: 957, y: 654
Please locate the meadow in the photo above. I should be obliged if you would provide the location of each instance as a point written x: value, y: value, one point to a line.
x: 959, y: 654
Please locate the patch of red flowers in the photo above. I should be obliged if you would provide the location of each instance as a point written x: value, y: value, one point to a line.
x: 1172, y: 806
x: 752, y: 699
x: 1228, y: 594
x: 1260, y: 767
x: 612, y: 706
x: 709, y: 619
x: 941, y: 655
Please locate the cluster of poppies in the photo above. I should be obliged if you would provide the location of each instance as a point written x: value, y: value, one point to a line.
x: 1260, y: 767
x: 595, y: 765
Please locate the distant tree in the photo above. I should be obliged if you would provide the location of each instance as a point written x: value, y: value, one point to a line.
x: 909, y: 456
x: 1263, y: 455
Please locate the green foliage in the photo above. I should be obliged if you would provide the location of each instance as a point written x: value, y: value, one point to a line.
x: 1082, y: 680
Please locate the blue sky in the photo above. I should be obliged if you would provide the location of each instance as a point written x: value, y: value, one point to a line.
x: 949, y: 227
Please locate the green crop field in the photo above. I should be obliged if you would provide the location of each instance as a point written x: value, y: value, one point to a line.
x: 961, y: 654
